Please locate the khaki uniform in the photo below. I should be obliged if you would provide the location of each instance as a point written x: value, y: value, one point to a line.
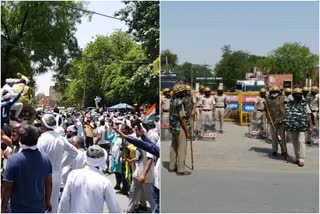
x: 297, y: 138
x: 197, y: 99
x: 165, y: 107
x: 220, y: 102
x: 178, y: 148
x: 314, y: 107
x: 276, y: 109
x: 207, y: 104
x: 260, y: 115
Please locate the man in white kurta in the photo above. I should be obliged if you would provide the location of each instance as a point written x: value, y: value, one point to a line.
x: 88, y: 189
x: 54, y: 145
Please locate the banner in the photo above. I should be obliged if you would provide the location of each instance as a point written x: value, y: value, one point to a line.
x: 248, y: 107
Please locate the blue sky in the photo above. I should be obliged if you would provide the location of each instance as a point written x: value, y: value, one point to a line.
x: 87, y: 31
x: 196, y: 31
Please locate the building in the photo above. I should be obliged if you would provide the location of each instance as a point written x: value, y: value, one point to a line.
x: 54, y: 96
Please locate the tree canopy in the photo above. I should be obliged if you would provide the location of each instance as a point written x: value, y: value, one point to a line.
x: 38, y: 36
x: 112, y: 67
x: 142, y: 18
x: 291, y: 58
x: 168, y: 60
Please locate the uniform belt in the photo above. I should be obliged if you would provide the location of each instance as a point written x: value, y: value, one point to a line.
x: 219, y: 106
x: 165, y: 110
x: 260, y: 110
x: 206, y: 109
x: 315, y: 110
x: 198, y: 106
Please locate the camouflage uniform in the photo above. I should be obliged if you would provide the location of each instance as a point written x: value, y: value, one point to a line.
x: 178, y: 151
x: 276, y: 109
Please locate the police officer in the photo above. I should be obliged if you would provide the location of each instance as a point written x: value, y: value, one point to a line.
x: 275, y: 108
x: 221, y: 103
x: 207, y: 107
x: 287, y: 95
x: 165, y: 106
x: 297, y: 136
x: 197, y: 99
x: 305, y: 93
x: 180, y: 129
x: 314, y: 106
x: 189, y: 103
x: 259, y: 108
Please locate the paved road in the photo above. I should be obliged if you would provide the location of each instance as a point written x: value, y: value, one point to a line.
x: 237, y: 174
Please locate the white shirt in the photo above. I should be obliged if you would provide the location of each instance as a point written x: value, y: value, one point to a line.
x: 141, y: 161
x: 102, y: 131
x: 157, y: 171
x: 153, y: 135
x: 55, y: 145
x: 86, y: 191
x: 79, y: 128
x: 78, y: 163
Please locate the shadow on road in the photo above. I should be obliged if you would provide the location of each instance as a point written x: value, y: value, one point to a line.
x: 165, y: 164
x: 266, y: 152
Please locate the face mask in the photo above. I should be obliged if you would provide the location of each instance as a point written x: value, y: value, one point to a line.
x: 207, y: 94
x: 263, y: 94
x: 297, y: 97
x: 274, y: 95
x: 287, y: 94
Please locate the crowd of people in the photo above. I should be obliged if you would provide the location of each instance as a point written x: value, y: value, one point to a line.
x: 62, y: 159
x: 291, y: 115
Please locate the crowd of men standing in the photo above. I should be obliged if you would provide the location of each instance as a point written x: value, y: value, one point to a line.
x: 62, y: 160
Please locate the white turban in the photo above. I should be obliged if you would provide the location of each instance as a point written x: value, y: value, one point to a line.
x: 49, y: 121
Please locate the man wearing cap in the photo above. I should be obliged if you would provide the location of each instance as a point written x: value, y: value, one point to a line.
x: 53, y: 144
x: 197, y: 99
x: 297, y: 120
x: 259, y: 112
x: 178, y: 120
x: 87, y: 189
x: 314, y: 105
x: 165, y: 106
x: 27, y: 179
x: 288, y: 96
x: 25, y: 99
x: 275, y: 108
x: 71, y: 132
x: 207, y: 107
x: 221, y: 103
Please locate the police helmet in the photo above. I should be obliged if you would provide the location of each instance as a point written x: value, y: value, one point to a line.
x: 297, y: 91
x: 305, y: 89
x: 207, y: 89
x: 178, y: 88
x: 275, y: 89
x: 315, y: 89
x: 188, y: 88
x: 287, y: 90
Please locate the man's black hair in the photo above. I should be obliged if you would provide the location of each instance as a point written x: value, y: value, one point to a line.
x: 28, y: 135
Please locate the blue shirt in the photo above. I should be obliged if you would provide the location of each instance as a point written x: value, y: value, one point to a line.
x: 5, y: 109
x: 28, y: 171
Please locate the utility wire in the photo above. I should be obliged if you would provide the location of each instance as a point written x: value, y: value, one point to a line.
x: 88, y: 11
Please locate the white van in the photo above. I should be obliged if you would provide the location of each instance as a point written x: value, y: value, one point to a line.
x: 249, y: 85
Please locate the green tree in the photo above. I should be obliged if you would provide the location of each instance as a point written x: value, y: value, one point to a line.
x: 168, y: 57
x: 37, y: 36
x: 111, y: 67
x: 234, y: 65
x: 142, y: 18
x: 292, y: 58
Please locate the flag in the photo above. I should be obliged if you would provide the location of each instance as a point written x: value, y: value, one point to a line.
x: 156, y: 66
x: 151, y: 113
